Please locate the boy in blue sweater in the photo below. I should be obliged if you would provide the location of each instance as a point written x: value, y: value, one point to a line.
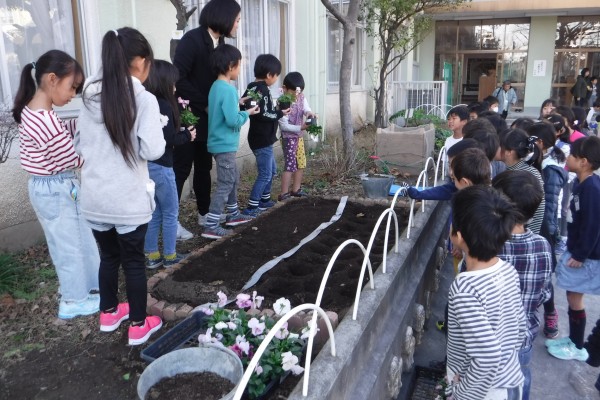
x: 224, y: 122
x: 263, y: 133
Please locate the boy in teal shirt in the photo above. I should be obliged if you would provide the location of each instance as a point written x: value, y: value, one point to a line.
x: 224, y: 123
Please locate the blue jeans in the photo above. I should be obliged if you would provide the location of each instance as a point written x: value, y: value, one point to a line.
x: 525, y: 355
x: 166, y: 211
x: 266, y: 166
x: 70, y: 240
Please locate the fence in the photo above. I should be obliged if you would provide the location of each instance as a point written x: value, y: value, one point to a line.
x: 427, y: 95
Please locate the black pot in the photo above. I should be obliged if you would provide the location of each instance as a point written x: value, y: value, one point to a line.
x: 284, y: 105
x: 312, y: 121
x: 249, y: 104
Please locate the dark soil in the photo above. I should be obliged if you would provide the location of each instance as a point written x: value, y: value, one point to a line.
x: 230, y: 264
x: 192, y: 386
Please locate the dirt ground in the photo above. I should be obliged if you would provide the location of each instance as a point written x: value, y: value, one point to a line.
x: 43, y: 357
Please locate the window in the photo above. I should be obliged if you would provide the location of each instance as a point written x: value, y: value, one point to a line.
x: 29, y: 29
x: 335, y: 34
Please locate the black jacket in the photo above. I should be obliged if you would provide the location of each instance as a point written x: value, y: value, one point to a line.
x: 192, y: 59
x: 263, y: 126
x: 172, y: 137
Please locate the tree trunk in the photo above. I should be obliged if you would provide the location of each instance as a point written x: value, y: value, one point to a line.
x: 381, y: 94
x: 345, y: 90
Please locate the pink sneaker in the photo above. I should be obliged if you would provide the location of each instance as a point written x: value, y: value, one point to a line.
x: 141, y: 333
x: 111, y: 321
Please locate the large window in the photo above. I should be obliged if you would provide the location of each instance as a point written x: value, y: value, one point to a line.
x: 335, y: 37
x: 29, y: 29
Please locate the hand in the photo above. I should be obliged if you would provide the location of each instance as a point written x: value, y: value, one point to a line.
x: 456, y: 252
x: 303, y: 127
x: 404, y: 189
x: 243, y: 100
x: 192, y: 130
x: 286, y: 111
x: 574, y: 263
x: 253, y: 111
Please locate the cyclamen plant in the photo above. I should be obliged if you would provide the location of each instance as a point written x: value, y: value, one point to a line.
x: 187, y: 117
x: 243, y: 332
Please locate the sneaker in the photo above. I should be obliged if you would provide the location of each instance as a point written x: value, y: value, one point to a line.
x: 252, y: 212
x: 111, y: 321
x: 235, y: 220
x: 177, y: 258
x: 153, y: 263
x: 299, y: 193
x: 264, y: 205
x: 568, y: 352
x: 551, y: 325
x: 558, y: 342
x: 203, y: 219
x: 72, y: 309
x: 283, y: 196
x: 141, y: 333
x: 216, y: 232
x: 182, y: 233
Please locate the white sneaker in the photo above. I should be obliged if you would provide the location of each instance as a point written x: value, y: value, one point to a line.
x: 202, y: 219
x: 182, y: 233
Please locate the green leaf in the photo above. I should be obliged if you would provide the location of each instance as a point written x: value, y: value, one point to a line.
x: 126, y: 377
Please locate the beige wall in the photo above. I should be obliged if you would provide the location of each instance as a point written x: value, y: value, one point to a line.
x: 332, y: 111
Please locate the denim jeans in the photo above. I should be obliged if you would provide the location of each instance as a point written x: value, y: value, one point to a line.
x: 125, y: 250
x: 70, y: 240
x: 525, y: 355
x: 166, y: 211
x: 226, y: 191
x: 266, y: 166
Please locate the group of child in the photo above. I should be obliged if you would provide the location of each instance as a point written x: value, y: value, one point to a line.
x: 509, y: 237
x: 103, y: 185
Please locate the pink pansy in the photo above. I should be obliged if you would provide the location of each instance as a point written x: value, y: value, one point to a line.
x: 242, y: 344
x: 256, y: 326
x: 282, y: 333
x: 243, y: 300
x: 183, y: 102
x: 207, y: 311
x: 236, y: 349
x: 258, y: 370
x: 231, y: 325
x: 222, y: 299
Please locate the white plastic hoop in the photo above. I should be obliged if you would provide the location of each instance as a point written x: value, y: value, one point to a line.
x: 263, y: 346
x: 437, y: 166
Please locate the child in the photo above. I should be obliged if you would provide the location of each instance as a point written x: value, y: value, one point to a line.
x: 119, y: 131
x: 569, y: 118
x: 457, y: 118
x: 486, y: 321
x: 530, y: 254
x: 547, y: 108
x: 291, y: 127
x: 47, y: 153
x: 160, y: 83
x: 577, y: 269
x: 224, y: 122
x: 555, y: 177
x: 484, y: 132
x: 493, y: 103
x: 516, y: 146
x: 476, y: 108
x: 263, y: 133
x: 593, y: 117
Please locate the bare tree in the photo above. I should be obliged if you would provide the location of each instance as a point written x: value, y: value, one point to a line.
x: 8, y: 131
x: 400, y: 26
x: 183, y: 16
x: 349, y: 22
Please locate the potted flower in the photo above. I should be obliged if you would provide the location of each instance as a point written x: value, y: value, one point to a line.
x: 243, y: 331
x: 188, y: 118
x: 285, y: 100
x: 314, y: 131
x: 254, y: 98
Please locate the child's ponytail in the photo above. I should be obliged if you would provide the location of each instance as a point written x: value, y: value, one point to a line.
x: 119, y: 48
x: 54, y: 61
x: 537, y: 156
x: 545, y: 131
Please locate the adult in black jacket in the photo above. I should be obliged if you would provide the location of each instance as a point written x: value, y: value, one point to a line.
x: 218, y: 19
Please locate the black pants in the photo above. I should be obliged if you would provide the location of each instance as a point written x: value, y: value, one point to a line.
x: 504, y: 114
x: 196, y: 154
x: 582, y: 102
x: 126, y: 250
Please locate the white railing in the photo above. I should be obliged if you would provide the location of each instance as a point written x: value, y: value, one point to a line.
x: 427, y: 95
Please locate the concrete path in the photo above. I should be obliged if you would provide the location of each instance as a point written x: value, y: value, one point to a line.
x: 551, y: 378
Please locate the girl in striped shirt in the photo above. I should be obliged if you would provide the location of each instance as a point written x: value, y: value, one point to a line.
x: 48, y: 154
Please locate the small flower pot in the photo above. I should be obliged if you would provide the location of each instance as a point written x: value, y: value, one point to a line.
x: 250, y: 104
x: 218, y: 360
x: 312, y: 121
x: 284, y: 105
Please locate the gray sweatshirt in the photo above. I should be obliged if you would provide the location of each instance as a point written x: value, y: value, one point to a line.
x: 111, y: 191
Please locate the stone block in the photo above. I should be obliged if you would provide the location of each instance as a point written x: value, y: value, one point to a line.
x: 161, y: 275
x: 268, y: 312
x: 152, y: 282
x: 169, y: 312
x: 295, y: 324
x: 149, y: 303
x: 157, y: 308
x: 183, y: 311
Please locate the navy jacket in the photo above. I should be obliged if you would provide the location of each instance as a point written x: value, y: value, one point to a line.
x: 583, y: 232
x: 192, y: 59
x: 172, y: 137
x: 441, y: 192
x: 554, y: 177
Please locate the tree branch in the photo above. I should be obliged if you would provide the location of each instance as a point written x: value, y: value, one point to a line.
x: 333, y: 10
